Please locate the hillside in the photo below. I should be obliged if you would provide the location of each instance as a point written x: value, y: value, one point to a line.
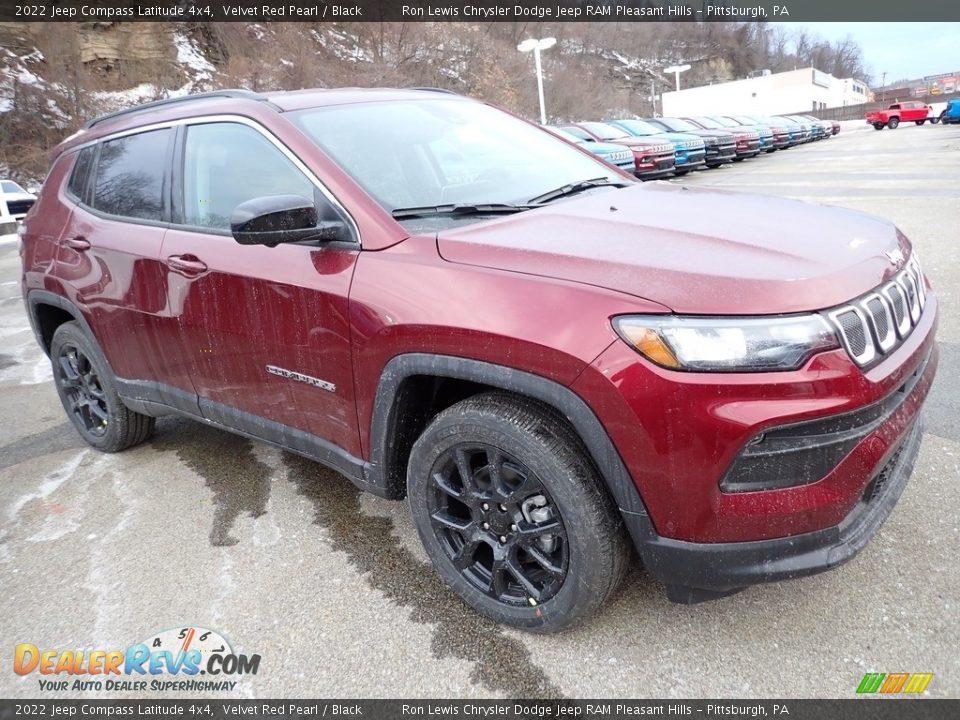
x: 54, y: 76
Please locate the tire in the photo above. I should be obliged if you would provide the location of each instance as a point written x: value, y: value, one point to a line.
x: 543, y: 470
x: 878, y: 126
x: 920, y: 122
x: 88, y: 393
x: 940, y: 118
x: 893, y: 122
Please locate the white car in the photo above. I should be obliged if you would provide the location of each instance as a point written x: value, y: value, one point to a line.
x: 14, y: 201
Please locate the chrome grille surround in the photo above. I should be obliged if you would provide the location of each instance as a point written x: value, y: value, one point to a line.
x: 874, y: 324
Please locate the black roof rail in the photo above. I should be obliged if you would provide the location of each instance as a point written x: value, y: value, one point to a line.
x: 235, y: 94
x: 435, y: 89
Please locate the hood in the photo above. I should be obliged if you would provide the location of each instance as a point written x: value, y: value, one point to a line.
x: 604, y: 148
x: 645, y: 142
x: 695, y: 251
x: 680, y: 139
x: 720, y: 134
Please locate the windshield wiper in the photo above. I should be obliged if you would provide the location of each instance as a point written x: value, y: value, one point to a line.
x: 459, y: 209
x: 574, y: 188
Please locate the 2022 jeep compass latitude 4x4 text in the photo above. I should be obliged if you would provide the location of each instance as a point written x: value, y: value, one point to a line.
x: 445, y: 303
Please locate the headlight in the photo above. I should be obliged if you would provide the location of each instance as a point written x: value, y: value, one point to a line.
x: 735, y: 344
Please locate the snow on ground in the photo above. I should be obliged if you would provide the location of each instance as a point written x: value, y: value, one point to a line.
x: 8, y: 239
x: 189, y: 55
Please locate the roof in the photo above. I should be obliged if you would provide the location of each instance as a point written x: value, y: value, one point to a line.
x: 243, y: 102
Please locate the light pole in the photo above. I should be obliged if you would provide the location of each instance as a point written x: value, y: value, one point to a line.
x: 536, y: 46
x: 883, y: 88
x: 676, y: 70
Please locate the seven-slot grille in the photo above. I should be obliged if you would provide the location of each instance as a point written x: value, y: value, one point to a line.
x: 874, y: 324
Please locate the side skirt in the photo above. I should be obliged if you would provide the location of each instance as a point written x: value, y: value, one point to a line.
x: 152, y: 398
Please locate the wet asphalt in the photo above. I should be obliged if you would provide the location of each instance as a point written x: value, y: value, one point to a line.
x: 288, y: 560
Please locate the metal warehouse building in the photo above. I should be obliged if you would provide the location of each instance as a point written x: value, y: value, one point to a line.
x: 800, y: 90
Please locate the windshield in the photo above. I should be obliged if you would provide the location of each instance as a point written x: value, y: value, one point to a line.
x: 707, y: 122
x: 9, y: 186
x: 725, y: 122
x: 640, y: 127
x: 565, y: 134
x: 606, y: 132
x: 415, y: 153
x: 578, y: 133
x: 789, y: 121
x: 675, y: 124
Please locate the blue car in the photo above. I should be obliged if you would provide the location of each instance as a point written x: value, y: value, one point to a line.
x: 952, y: 113
x: 619, y: 155
x: 689, y: 150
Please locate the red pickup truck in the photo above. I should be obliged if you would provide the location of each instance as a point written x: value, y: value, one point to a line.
x: 899, y: 112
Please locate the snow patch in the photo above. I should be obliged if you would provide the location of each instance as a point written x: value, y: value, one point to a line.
x: 189, y: 55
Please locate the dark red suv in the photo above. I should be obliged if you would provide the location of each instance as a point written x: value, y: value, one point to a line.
x: 446, y: 303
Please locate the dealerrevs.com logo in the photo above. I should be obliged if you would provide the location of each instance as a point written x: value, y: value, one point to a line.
x: 170, y: 660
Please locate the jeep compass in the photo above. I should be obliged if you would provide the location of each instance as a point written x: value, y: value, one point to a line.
x: 552, y: 362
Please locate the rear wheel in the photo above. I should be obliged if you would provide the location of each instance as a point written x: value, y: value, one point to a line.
x: 893, y: 122
x: 88, y: 393
x: 513, y: 515
x: 940, y: 118
x: 920, y: 122
x: 878, y: 126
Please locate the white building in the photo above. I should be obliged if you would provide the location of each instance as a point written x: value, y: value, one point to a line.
x: 771, y: 94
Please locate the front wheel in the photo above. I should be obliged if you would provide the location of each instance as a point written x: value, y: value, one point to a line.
x: 920, y: 122
x: 513, y: 515
x: 88, y: 393
x: 893, y: 123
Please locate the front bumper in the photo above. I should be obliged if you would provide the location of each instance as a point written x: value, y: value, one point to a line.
x: 748, y: 149
x: 661, y: 166
x: 694, y: 572
x: 690, y: 159
x: 720, y: 154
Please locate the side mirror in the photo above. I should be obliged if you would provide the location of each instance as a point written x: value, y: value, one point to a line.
x: 276, y: 219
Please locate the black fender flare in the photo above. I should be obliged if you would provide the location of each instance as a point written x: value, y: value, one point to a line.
x: 45, y: 297
x: 585, y: 423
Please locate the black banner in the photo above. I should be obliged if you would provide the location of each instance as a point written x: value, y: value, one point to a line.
x: 477, y: 10
x: 853, y: 709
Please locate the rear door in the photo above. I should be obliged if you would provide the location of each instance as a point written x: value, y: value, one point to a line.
x: 110, y: 250
x: 264, y: 331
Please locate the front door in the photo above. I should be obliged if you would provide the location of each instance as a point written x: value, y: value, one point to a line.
x: 265, y: 330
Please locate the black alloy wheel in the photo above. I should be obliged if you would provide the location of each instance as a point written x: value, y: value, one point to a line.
x: 84, y: 396
x: 513, y: 514
x: 498, y: 525
x: 88, y: 392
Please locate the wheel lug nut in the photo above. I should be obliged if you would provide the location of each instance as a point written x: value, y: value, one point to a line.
x: 486, y: 526
x: 485, y: 506
x: 513, y: 527
x: 503, y: 539
x: 503, y: 508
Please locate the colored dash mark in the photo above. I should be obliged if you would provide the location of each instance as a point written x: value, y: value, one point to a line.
x: 894, y: 683
x: 189, y: 638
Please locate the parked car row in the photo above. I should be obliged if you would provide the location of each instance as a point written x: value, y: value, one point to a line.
x: 664, y: 146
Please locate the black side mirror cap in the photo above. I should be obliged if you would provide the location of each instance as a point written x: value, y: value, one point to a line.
x: 276, y: 219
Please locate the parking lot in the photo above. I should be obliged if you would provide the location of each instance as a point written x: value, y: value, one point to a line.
x: 287, y: 560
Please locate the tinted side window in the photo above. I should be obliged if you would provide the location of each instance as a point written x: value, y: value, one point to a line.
x: 226, y: 164
x: 130, y: 175
x: 81, y: 172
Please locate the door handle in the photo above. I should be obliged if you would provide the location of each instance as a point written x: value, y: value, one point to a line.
x: 79, y: 243
x: 189, y: 265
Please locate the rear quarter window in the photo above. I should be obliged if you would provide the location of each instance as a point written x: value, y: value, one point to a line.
x: 130, y: 175
x: 80, y: 175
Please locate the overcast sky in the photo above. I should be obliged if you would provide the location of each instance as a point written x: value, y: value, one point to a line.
x: 902, y: 50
